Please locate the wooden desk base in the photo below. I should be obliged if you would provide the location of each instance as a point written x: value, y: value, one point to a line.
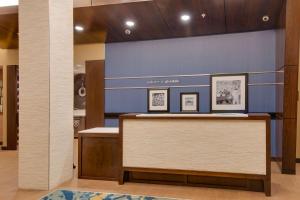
x: 98, y: 156
x: 257, y: 183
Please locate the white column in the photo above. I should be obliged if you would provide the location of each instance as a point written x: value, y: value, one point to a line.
x: 46, y: 93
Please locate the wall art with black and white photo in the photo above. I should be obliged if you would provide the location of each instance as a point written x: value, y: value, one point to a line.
x: 229, y: 93
x: 158, y: 100
x: 189, y: 102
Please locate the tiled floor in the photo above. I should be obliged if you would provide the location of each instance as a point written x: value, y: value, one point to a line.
x: 284, y: 187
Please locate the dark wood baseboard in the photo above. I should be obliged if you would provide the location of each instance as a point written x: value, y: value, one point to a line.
x: 288, y: 171
x: 276, y: 159
x: 113, y: 115
x: 104, y: 178
x: 246, y: 184
x: 3, y: 148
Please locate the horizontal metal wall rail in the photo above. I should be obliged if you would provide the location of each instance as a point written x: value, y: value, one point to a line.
x: 187, y: 75
x: 186, y: 86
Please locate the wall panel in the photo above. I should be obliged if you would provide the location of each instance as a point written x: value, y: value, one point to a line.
x: 230, y: 53
x: 95, y: 101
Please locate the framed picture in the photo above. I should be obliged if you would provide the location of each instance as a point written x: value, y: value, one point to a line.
x: 159, y: 100
x: 229, y: 93
x: 189, y: 102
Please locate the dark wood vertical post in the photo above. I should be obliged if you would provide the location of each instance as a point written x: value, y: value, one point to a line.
x: 292, y: 31
x: 1, y: 111
x: 287, y: 57
x: 12, y: 115
x: 95, y: 93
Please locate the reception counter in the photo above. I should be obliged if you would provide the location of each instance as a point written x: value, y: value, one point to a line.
x: 216, y: 150
x: 99, y: 154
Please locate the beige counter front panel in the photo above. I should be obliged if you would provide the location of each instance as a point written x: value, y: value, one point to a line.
x: 233, y: 146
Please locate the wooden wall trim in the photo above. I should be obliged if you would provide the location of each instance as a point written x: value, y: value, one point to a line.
x: 113, y: 115
x: 291, y: 62
x: 290, y: 92
x: 196, y: 173
x: 287, y: 55
x: 95, y: 93
x: 289, y: 146
x: 292, y: 29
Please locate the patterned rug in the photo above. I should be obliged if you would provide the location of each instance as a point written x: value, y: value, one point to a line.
x: 77, y: 195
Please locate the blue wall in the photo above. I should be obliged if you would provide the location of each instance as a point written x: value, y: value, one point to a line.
x: 230, y: 53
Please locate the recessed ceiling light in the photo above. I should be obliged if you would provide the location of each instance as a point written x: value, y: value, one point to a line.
x: 130, y: 23
x: 266, y: 18
x: 5, y: 3
x: 203, y: 15
x: 79, y: 28
x: 185, y: 17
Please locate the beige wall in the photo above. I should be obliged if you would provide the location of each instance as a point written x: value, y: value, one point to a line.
x: 7, y: 57
x: 82, y: 53
x: 86, y: 52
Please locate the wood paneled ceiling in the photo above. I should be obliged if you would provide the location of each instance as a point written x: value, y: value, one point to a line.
x: 160, y: 19
x: 9, y: 31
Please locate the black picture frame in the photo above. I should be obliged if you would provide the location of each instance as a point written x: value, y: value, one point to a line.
x: 167, y: 110
x: 246, y: 76
x: 197, y: 102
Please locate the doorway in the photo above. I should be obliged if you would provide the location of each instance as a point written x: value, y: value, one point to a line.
x: 1, y: 106
x: 12, y: 107
x: 298, y: 115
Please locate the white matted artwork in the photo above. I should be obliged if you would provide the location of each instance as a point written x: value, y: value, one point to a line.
x: 158, y: 100
x: 229, y: 93
x: 189, y: 102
